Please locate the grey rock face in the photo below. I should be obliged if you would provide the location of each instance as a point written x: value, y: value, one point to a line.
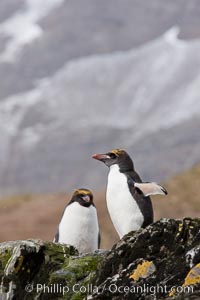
x: 34, y: 269
x: 161, y: 261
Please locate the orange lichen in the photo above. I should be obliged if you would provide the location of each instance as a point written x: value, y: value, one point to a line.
x: 193, y: 276
x: 180, y: 227
x: 143, y: 270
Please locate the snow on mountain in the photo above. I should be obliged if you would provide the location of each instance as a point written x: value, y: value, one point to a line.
x: 22, y: 27
x: 148, y: 81
x: 112, y: 100
x: 74, y: 29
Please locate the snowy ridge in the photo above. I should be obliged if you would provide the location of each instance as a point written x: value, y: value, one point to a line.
x: 22, y: 27
x: 135, y: 83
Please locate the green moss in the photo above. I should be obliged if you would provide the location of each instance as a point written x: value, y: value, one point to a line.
x: 58, y: 254
x: 51, y: 248
x: 78, y: 271
x: 83, y: 265
x: 4, y: 257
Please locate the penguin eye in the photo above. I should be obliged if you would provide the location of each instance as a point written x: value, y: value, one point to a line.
x: 112, y: 155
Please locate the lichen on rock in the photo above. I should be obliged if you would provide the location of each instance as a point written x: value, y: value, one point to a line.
x: 152, y: 263
x: 193, y: 277
x: 143, y: 270
x: 161, y: 261
x: 35, y: 269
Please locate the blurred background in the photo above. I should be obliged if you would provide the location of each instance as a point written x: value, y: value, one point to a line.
x: 80, y: 77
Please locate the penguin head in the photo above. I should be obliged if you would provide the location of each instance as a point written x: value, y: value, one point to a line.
x: 116, y: 156
x: 83, y: 196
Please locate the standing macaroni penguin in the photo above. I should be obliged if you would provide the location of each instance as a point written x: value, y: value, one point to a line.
x: 79, y: 224
x: 127, y: 199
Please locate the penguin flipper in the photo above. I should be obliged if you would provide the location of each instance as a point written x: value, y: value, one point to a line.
x: 143, y: 201
x: 150, y: 188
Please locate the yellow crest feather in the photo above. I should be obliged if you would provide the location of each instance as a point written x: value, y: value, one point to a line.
x: 117, y: 151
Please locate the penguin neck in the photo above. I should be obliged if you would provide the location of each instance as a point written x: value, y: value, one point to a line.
x: 125, y: 166
x: 115, y: 169
x: 81, y: 202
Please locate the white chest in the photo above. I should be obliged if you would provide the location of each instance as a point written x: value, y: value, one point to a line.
x: 79, y: 227
x: 124, y: 211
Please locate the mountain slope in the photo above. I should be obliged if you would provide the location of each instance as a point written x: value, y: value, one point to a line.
x: 81, y: 77
x: 97, y: 103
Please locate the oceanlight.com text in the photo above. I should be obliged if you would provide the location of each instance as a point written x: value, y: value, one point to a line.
x: 112, y: 288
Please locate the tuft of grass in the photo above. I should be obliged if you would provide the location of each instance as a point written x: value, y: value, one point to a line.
x: 183, y: 196
x: 15, y: 200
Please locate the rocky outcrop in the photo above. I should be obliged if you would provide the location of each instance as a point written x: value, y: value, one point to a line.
x: 35, y: 269
x: 159, y: 262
